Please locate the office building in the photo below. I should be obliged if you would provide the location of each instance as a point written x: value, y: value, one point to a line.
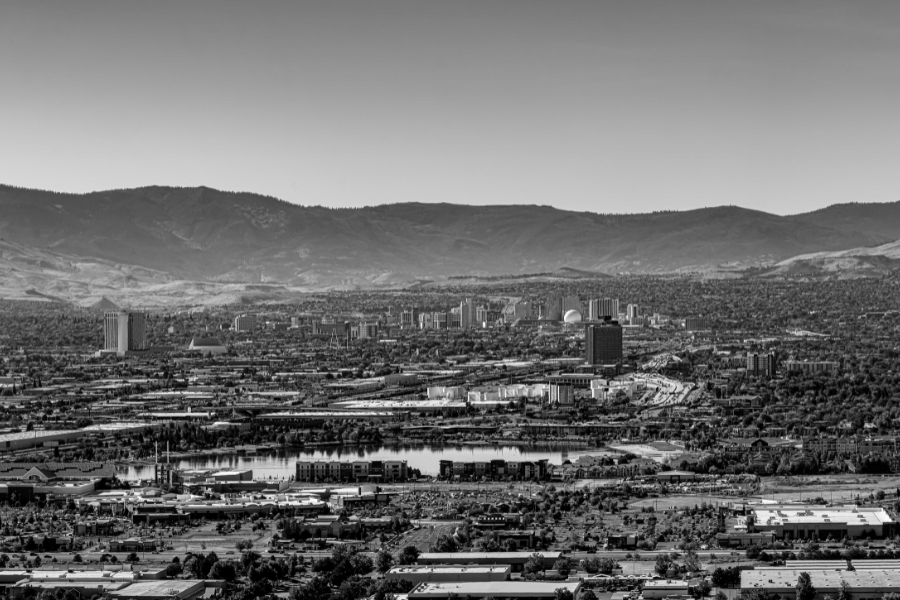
x: 603, y: 343
x: 124, y: 331
x: 761, y: 365
x: 244, y: 323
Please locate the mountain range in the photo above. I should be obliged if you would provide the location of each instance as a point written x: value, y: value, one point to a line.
x: 55, y: 242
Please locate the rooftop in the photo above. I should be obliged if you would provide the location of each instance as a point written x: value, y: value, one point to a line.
x: 781, y: 514
x: 786, y: 579
x: 504, y: 589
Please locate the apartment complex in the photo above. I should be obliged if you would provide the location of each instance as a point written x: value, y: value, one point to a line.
x: 355, y: 471
x: 495, y: 469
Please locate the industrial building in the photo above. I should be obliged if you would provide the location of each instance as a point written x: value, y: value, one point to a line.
x: 516, y: 560
x: 862, y: 584
x: 791, y: 521
x: 444, y: 573
x: 513, y: 590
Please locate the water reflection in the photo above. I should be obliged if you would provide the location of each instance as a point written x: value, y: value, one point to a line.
x: 280, y: 464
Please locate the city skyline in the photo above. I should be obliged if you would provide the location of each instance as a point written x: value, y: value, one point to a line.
x: 601, y: 107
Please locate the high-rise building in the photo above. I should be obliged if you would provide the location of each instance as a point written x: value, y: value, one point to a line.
x: 408, y: 318
x: 593, y: 307
x: 562, y: 395
x: 571, y: 303
x: 466, y: 314
x: 606, y: 308
x: 633, y: 313
x: 244, y: 323
x: 761, y: 365
x: 124, y: 331
x: 111, y: 330
x: 603, y: 343
x: 367, y: 330
x: 553, y: 308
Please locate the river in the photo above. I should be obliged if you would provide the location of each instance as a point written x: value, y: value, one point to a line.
x: 280, y: 465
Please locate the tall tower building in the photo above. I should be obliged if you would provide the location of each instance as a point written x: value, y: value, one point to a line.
x: 111, y: 330
x: 466, y: 314
x: 609, y: 308
x: 553, y: 308
x: 571, y: 303
x: 593, y: 311
x: 633, y: 312
x: 603, y: 343
x: 761, y: 365
x: 124, y: 331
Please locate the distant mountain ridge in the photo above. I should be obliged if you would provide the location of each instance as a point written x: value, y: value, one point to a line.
x: 202, y: 234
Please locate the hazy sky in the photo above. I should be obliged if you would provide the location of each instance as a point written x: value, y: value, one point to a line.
x: 625, y: 106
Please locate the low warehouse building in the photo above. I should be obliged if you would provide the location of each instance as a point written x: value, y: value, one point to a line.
x: 445, y: 573
x: 663, y: 588
x: 513, y: 590
x: 863, y: 585
x: 516, y: 560
x: 793, y: 521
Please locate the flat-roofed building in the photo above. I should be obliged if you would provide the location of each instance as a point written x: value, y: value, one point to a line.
x: 162, y: 589
x: 496, y: 589
x: 862, y: 584
x: 442, y: 573
x: 793, y: 521
x: 663, y: 588
x: 516, y: 560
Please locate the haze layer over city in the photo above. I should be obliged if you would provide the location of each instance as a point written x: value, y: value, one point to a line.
x: 398, y: 300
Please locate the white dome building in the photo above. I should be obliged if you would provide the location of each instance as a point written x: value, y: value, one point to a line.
x: 572, y: 316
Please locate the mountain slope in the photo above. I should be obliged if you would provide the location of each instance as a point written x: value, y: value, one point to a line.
x: 207, y: 235
x: 854, y: 262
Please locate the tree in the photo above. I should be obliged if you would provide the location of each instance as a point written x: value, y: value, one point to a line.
x: 223, y: 570
x: 663, y: 564
x: 563, y: 594
x: 133, y: 558
x: 562, y: 567
x: 588, y: 595
x: 383, y: 561
x: 77, y: 558
x: 691, y: 560
x: 408, y: 555
x: 534, y: 564
x: 444, y: 543
x: 844, y: 592
x: 805, y: 589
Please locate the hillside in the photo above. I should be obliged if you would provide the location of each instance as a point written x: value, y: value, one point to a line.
x: 871, y: 261
x: 207, y: 235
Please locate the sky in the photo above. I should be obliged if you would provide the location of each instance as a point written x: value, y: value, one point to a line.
x: 605, y: 106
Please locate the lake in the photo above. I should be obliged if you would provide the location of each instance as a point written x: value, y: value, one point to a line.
x: 427, y: 459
